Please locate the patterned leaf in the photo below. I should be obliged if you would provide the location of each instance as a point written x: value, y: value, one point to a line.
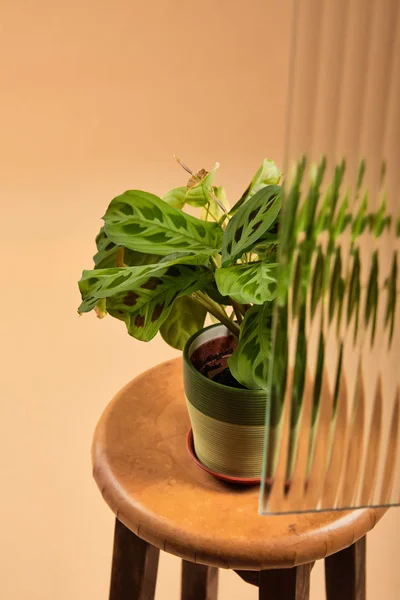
x: 249, y: 363
x: 267, y: 174
x: 108, y: 253
x: 250, y: 223
x: 268, y: 249
x: 254, y: 283
x: 212, y: 291
x: 186, y: 318
x: 103, y: 283
x: 143, y: 222
x: 176, y: 197
x: 142, y: 297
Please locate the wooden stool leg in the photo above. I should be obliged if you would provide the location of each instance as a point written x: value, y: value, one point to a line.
x: 199, y: 582
x: 285, y: 584
x: 345, y: 573
x: 134, y: 566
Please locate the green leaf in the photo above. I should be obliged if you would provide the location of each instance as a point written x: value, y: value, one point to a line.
x: 250, y: 223
x: 317, y: 283
x: 360, y: 175
x: 142, y: 297
x: 101, y: 309
x: 249, y: 363
x: 312, y: 200
x: 267, y: 250
x: 353, y: 301
x: 343, y: 219
x: 299, y: 377
x: 319, y: 372
x: 372, y: 298
x: 338, y: 379
x: 299, y: 373
x: 289, y: 222
x: 379, y: 220
x: 337, y: 182
x: 107, y: 254
x: 318, y: 378
x: 289, y: 228
x: 267, y: 174
x: 335, y: 283
x: 176, y: 197
x: 186, y: 318
x: 280, y: 361
x: 185, y: 258
x: 340, y: 302
x: 254, y: 283
x: 97, y: 284
x: 391, y: 285
x: 299, y: 292
x: 145, y: 223
x: 212, y: 291
x: 199, y: 186
x: 360, y: 221
x: 328, y: 208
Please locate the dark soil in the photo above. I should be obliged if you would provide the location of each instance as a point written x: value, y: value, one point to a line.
x: 211, y: 360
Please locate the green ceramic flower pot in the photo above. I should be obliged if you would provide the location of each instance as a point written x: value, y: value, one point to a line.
x: 228, y: 423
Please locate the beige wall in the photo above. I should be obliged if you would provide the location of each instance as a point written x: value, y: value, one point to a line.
x: 96, y: 96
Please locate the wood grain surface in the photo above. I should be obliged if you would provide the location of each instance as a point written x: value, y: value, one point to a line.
x: 146, y: 476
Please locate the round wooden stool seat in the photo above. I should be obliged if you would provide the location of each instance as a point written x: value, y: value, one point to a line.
x: 146, y: 476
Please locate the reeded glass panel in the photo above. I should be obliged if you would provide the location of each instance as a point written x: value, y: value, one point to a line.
x: 333, y: 423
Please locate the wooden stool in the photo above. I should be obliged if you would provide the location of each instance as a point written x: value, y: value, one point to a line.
x: 162, y: 500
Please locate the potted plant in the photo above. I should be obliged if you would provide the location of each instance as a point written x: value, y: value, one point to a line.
x: 159, y: 269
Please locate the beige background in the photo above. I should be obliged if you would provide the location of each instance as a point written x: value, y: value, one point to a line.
x: 96, y: 97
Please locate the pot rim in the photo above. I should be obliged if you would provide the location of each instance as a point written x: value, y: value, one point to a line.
x: 239, y: 391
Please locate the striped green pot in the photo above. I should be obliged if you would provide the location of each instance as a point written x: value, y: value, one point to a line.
x: 228, y: 423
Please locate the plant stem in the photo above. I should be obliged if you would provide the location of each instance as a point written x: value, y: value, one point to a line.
x: 179, y: 161
x: 238, y: 312
x: 120, y: 257
x: 210, y: 213
x: 214, y: 262
x: 217, y: 311
x: 219, y: 203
